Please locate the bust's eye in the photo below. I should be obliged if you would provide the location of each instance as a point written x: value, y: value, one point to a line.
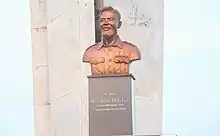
x: 102, y: 20
x: 111, y: 19
x: 107, y: 19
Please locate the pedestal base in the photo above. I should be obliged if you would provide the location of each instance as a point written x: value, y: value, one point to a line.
x: 110, y: 105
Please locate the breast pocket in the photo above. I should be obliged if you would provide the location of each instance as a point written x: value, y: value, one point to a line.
x: 98, y: 65
x: 121, y: 63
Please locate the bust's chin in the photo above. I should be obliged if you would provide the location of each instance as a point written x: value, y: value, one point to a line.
x: 107, y: 36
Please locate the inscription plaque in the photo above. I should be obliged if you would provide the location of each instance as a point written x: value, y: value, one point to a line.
x: 110, y: 105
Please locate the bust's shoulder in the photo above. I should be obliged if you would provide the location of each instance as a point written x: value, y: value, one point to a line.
x: 94, y: 46
x: 130, y: 45
x: 89, y: 52
x: 133, y: 49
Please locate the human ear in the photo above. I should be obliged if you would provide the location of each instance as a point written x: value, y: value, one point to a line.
x: 119, y: 24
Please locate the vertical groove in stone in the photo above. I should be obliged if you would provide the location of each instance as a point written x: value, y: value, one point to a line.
x: 97, y: 6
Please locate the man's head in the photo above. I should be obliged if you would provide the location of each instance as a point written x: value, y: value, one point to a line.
x: 110, y: 21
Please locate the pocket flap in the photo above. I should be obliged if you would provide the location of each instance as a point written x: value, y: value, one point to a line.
x: 97, y: 60
x: 121, y: 59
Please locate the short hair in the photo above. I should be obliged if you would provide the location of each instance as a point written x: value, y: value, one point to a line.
x: 110, y: 8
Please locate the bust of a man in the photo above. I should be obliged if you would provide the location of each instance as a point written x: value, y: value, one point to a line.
x: 111, y: 55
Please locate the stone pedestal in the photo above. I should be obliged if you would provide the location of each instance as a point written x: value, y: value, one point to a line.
x: 111, y: 105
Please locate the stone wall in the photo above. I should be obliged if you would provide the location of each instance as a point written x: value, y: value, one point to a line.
x: 61, y: 31
x: 70, y: 31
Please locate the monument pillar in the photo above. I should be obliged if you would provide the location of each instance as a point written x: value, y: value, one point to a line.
x: 40, y: 68
x: 61, y: 31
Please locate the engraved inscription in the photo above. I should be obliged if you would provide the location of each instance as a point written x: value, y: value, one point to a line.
x: 110, y: 102
x: 137, y: 18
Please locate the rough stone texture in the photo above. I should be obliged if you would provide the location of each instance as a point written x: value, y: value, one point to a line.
x: 61, y: 31
x: 60, y: 35
x: 143, y: 26
x: 70, y: 31
x: 40, y: 68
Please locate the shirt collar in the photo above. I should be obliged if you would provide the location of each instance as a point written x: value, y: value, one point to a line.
x: 118, y: 43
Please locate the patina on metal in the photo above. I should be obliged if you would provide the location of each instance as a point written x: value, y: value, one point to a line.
x: 111, y: 55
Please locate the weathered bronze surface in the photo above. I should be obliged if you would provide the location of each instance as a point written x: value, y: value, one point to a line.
x: 111, y: 55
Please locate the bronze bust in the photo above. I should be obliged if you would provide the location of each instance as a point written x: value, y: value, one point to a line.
x: 111, y: 55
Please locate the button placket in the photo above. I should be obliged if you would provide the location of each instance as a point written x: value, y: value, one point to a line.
x: 110, y: 61
x: 105, y: 51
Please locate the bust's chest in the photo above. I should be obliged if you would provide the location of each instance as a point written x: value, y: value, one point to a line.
x: 111, y: 54
x: 111, y: 60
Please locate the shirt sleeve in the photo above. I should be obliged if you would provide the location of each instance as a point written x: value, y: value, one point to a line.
x: 85, y: 57
x: 135, y: 54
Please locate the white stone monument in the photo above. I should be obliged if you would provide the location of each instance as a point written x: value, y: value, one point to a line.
x: 61, y: 31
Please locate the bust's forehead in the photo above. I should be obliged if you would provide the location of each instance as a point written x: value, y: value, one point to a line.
x: 108, y: 14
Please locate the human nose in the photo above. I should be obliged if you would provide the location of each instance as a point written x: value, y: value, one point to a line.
x: 105, y: 21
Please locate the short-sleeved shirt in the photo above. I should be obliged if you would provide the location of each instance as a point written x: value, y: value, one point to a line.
x: 113, y: 59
